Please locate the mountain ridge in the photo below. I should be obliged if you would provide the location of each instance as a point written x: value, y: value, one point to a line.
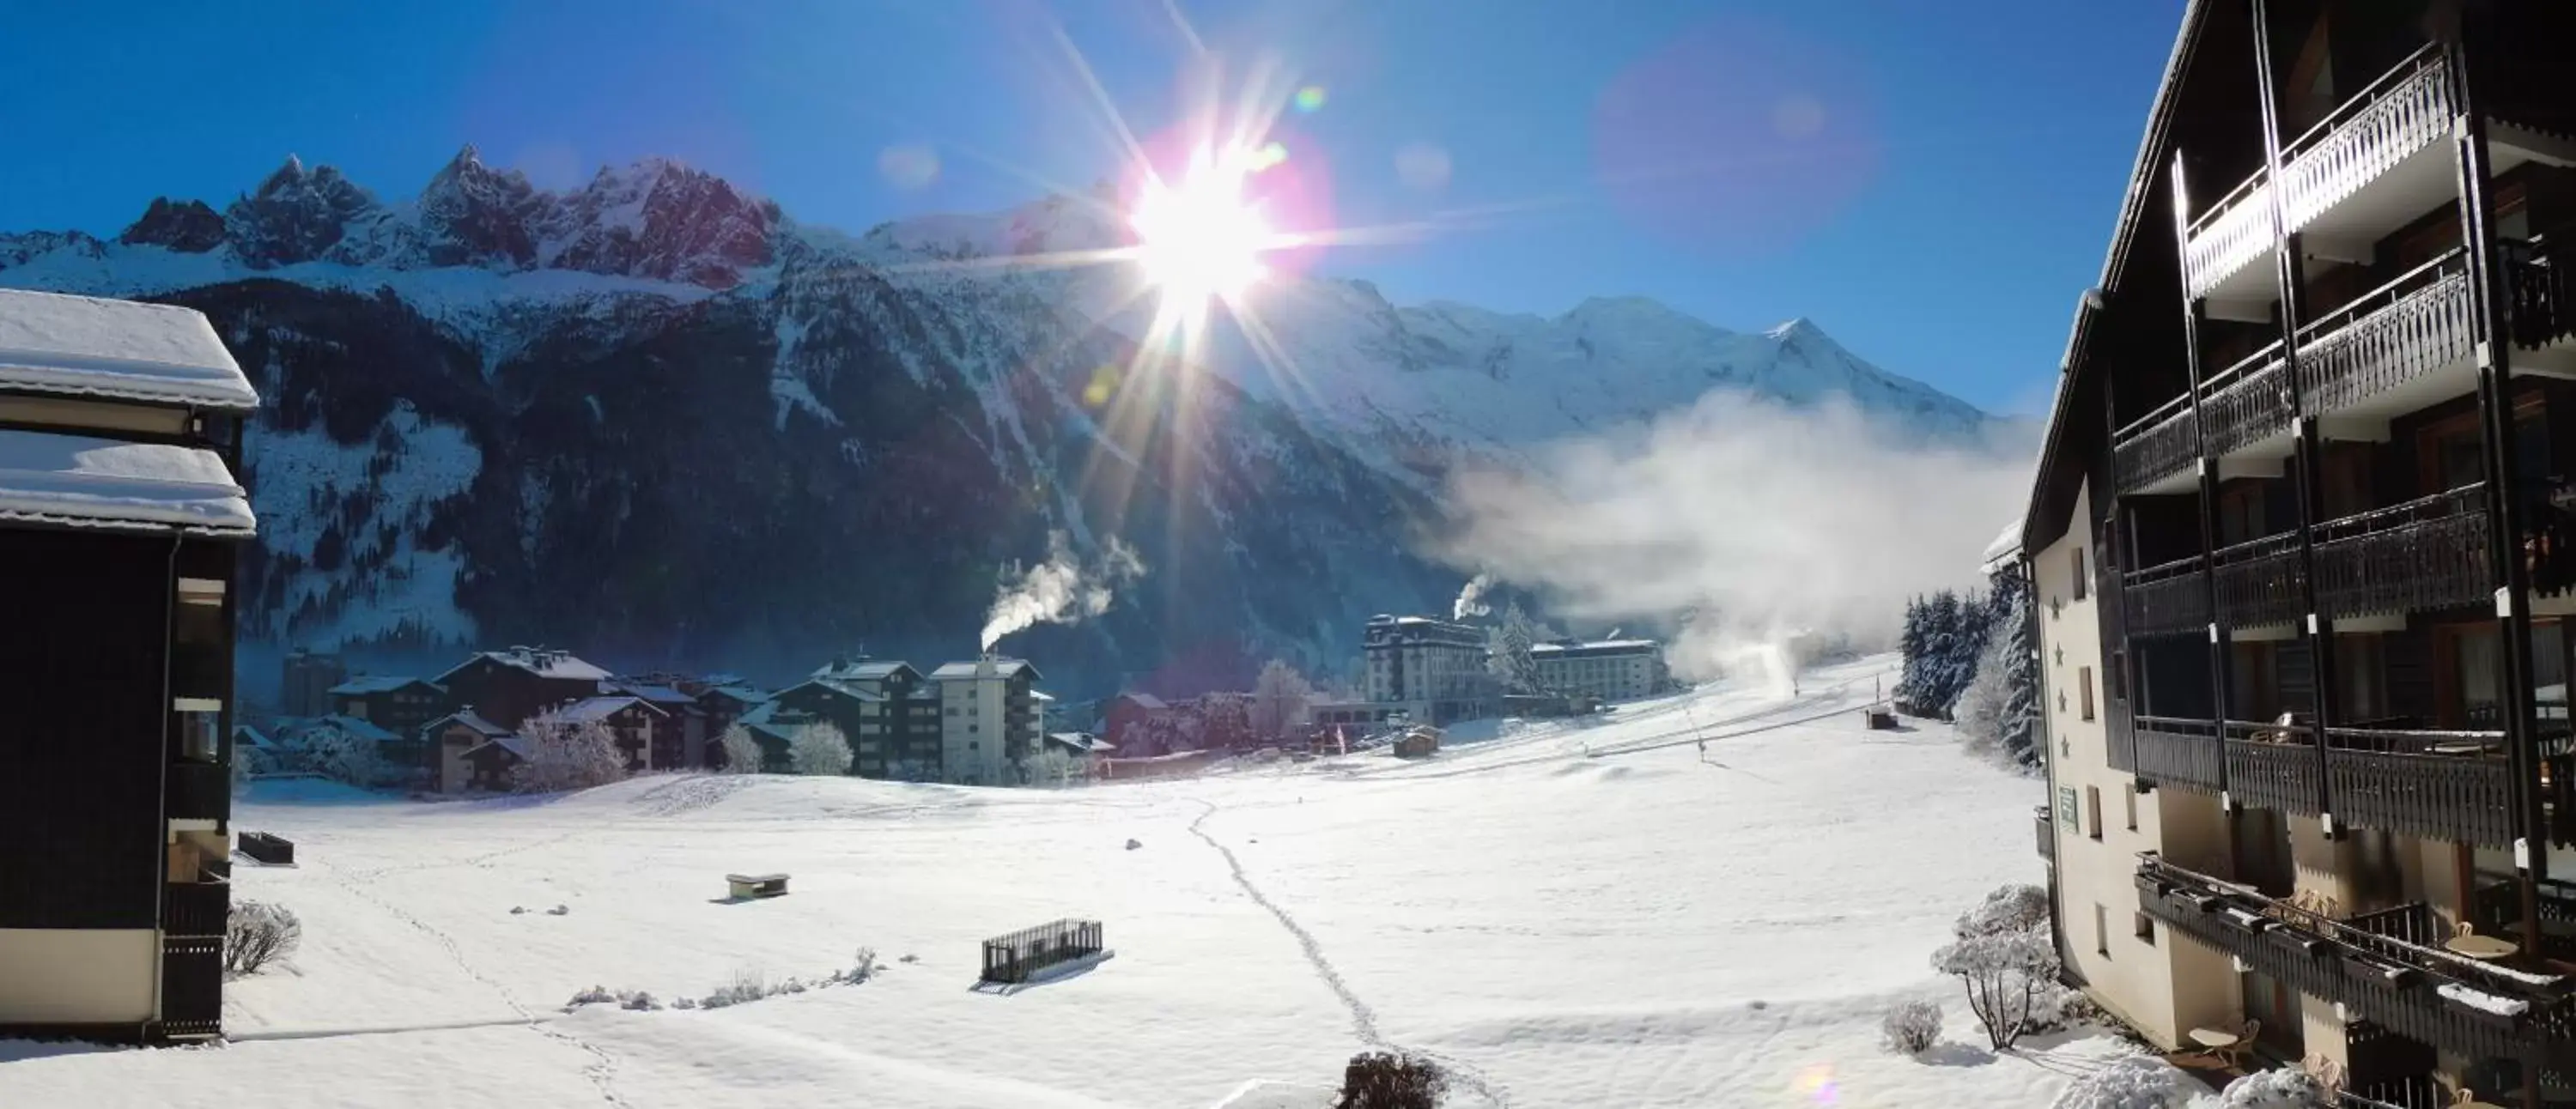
x: 456, y: 400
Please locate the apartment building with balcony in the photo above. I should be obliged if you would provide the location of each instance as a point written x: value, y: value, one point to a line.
x: 2299, y: 542
x: 990, y: 719
x: 120, y: 433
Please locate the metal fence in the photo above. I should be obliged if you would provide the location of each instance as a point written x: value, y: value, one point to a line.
x: 1015, y: 957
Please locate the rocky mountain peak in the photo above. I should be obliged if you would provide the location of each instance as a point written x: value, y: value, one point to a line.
x: 297, y: 215
x: 660, y: 219
x: 473, y: 215
x: 189, y: 227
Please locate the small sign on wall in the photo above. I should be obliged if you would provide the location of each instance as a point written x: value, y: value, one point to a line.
x: 2066, y: 807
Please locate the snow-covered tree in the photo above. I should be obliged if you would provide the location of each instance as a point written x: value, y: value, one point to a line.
x: 2014, y: 908
x: 741, y: 752
x: 819, y: 749
x: 1051, y: 766
x: 2010, y: 625
x: 1511, y: 659
x: 1279, y: 699
x: 2129, y: 1082
x: 1980, y: 711
x: 338, y: 754
x: 566, y: 754
x: 1910, y: 1027
x: 2007, y: 978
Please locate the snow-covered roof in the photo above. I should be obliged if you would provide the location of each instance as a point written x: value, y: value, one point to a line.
x: 864, y: 670
x: 1596, y: 646
x: 742, y: 693
x: 361, y: 729
x: 2005, y: 548
x: 1080, y: 741
x: 90, y: 482
x: 470, y: 719
x: 365, y: 684
x: 246, y: 736
x: 835, y: 687
x: 1144, y: 700
x: 512, y: 742
x: 658, y: 694
x: 117, y: 348
x: 540, y: 662
x: 1002, y: 667
x: 589, y: 709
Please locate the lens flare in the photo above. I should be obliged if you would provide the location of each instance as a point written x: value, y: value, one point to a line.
x: 1310, y: 98
x: 1816, y: 1083
x: 1200, y: 238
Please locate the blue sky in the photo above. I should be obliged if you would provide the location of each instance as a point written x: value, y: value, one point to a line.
x: 1931, y: 183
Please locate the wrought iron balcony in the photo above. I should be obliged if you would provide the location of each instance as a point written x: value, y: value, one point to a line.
x: 2387, y: 337
x: 2427, y: 553
x: 2186, y: 753
x: 2246, y: 403
x: 2259, y: 582
x: 2166, y: 599
x: 2447, y: 785
x: 2274, y: 766
x: 2383, y: 966
x: 2402, y: 112
x: 2157, y: 446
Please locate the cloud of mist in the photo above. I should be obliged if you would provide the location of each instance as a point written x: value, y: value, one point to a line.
x: 1061, y: 590
x: 1748, y: 521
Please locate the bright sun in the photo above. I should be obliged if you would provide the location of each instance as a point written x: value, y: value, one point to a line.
x: 1201, y: 239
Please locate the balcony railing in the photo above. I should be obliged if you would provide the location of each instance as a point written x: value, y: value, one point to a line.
x: 2538, y: 286
x: 192, y: 986
x: 2246, y: 403
x: 2185, y: 753
x: 2166, y: 599
x: 2396, y: 333
x: 2404, y: 110
x: 2270, y: 766
x: 2158, y: 445
x: 2448, y: 785
x: 199, y: 791
x: 2259, y: 582
x: 195, y: 908
x: 2376, y: 965
x: 2427, y: 553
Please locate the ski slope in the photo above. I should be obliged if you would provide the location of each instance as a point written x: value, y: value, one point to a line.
x: 1646, y: 925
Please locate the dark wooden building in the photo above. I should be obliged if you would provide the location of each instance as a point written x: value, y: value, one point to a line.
x: 120, y: 434
x: 901, y: 738
x: 2301, y: 546
x: 1124, y: 720
x: 680, y: 734
x: 397, y: 703
x: 633, y: 720
x: 451, y: 738
x: 507, y: 687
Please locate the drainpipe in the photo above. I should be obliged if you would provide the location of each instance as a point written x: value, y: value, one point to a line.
x: 2291, y: 274
x: 2495, y: 407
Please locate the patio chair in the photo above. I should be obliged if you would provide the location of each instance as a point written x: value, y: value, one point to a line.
x: 2233, y: 1055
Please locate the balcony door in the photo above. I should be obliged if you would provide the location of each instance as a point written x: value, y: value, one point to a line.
x: 2472, y: 675
x: 2273, y: 1002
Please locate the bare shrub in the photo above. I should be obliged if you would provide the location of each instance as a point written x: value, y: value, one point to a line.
x: 1391, y: 1080
x: 1911, y: 1027
x: 258, y: 933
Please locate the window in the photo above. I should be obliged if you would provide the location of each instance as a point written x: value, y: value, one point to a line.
x: 972, y: 745
x: 2131, y: 797
x: 2146, y: 929
x: 2113, y: 683
x: 2078, y: 561
x: 973, y: 728
x: 201, y: 735
x: 2093, y: 812
x: 952, y: 710
x: 2084, y: 689
x: 2102, y: 931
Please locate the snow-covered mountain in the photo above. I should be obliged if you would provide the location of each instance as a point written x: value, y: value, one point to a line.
x: 656, y: 418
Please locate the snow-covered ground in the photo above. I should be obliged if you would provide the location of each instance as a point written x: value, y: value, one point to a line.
x: 1635, y: 928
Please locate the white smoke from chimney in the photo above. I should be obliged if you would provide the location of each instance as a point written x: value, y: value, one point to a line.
x: 1471, y: 599
x: 1772, y: 523
x: 1060, y: 590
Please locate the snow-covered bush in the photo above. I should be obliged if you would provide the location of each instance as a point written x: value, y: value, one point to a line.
x: 1053, y: 766
x: 1279, y: 700
x: 257, y: 933
x: 2285, y: 1088
x: 741, y: 752
x: 1391, y: 1080
x: 565, y: 754
x: 819, y: 749
x: 1911, y: 1027
x: 2007, y: 965
x: 2058, y: 1008
x: 863, y: 966
x: 2131, y: 1082
x: 338, y: 754
x: 747, y: 985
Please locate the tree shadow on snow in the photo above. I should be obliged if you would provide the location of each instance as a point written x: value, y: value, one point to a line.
x: 1956, y: 1055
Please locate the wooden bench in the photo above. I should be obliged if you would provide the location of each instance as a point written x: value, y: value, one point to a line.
x: 749, y: 886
